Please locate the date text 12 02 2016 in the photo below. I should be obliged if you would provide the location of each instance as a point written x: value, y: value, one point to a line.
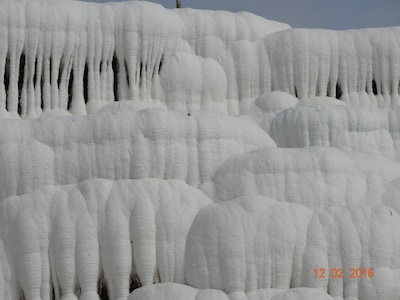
x: 353, y: 273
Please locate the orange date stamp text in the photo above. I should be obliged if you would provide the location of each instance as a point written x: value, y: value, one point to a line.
x: 354, y: 273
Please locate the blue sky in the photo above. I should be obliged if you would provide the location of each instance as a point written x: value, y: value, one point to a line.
x: 330, y: 14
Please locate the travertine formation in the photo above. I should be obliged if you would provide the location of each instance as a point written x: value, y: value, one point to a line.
x: 122, y: 123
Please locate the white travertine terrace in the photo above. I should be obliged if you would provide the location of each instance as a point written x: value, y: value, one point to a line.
x: 127, y: 145
x: 254, y: 243
x: 121, y: 123
x: 76, y: 57
x: 314, y: 177
x: 346, y: 127
x: 167, y: 291
x: 66, y: 236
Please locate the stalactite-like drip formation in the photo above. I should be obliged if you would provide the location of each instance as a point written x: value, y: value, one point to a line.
x: 75, y: 57
x: 187, y: 107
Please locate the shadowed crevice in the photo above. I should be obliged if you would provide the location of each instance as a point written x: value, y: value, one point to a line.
x: 115, y: 68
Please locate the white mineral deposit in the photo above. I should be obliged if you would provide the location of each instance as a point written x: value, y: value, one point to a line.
x: 178, y: 154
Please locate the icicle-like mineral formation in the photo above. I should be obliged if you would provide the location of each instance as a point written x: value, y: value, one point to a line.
x: 75, y: 57
x: 187, y: 107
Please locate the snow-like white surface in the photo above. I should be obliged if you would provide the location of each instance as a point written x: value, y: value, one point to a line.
x: 79, y: 56
x: 314, y: 177
x: 67, y: 45
x: 264, y: 119
x: 320, y: 100
x: 69, y: 235
x: 362, y: 64
x: 132, y: 105
x: 275, y: 102
x: 341, y: 126
x: 173, y: 291
x: 255, y: 243
x: 146, y: 143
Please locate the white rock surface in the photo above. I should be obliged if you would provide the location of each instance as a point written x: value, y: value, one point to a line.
x: 88, y: 55
x: 78, y: 56
x: 173, y: 291
x: 344, y: 127
x: 314, y: 177
x: 132, y: 105
x: 276, y: 101
x: 179, y: 99
x: 357, y: 66
x: 147, y: 143
x: 69, y: 235
x: 255, y: 242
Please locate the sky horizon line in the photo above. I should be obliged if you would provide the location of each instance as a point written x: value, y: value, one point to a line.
x: 337, y: 15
